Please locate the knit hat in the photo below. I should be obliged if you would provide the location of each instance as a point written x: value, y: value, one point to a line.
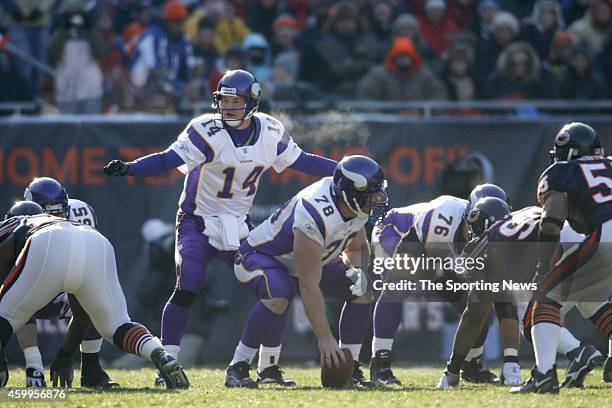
x: 175, y: 11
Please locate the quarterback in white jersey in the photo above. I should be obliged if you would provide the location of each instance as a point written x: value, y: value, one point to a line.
x: 313, y: 245
x: 223, y: 155
x: 434, y: 229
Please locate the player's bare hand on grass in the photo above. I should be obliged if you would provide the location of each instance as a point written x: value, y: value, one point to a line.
x: 330, y: 352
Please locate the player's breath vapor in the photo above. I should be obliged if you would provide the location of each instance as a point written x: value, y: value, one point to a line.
x: 332, y: 127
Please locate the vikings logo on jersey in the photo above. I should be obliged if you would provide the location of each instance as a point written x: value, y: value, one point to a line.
x: 314, y: 212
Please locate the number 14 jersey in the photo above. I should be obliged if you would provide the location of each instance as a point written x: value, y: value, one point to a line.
x: 222, y: 178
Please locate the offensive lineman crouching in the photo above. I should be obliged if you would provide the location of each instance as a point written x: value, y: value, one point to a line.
x: 43, y: 255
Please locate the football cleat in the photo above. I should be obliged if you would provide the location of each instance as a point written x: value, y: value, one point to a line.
x: 237, y: 376
x: 170, y: 369
x: 448, y: 380
x: 583, y: 359
x: 359, y: 379
x: 510, y: 374
x: 540, y: 383
x: 274, y: 375
x: 93, y: 376
x: 35, y: 378
x: 475, y: 371
x: 380, y: 369
x: 4, y: 372
x: 607, y: 372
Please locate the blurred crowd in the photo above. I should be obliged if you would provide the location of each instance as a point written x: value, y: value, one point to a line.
x: 88, y: 56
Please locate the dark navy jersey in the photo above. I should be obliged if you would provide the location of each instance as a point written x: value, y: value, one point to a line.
x: 587, y: 182
x: 14, y: 233
x: 509, y: 246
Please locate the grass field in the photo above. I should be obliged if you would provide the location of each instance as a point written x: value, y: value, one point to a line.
x: 418, y: 390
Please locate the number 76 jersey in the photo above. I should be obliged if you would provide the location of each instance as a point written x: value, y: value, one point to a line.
x: 587, y: 182
x: 314, y: 212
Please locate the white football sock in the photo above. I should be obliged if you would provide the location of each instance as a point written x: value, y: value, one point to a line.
x: 355, y: 349
x: 148, y: 346
x: 91, y: 346
x: 610, y: 348
x: 33, y: 358
x: 545, y: 337
x: 473, y: 353
x: 567, y: 342
x: 381, y: 344
x: 243, y: 353
x: 173, y: 350
x: 510, y: 352
x: 268, y: 356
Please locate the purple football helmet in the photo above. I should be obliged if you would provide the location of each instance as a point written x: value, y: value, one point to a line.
x: 238, y: 83
x: 361, y: 182
x: 49, y: 194
x: 488, y: 190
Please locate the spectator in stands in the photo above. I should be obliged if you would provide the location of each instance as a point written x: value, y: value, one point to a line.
x: 603, y: 62
x: 483, y: 23
x: 595, y: 26
x: 234, y: 58
x: 258, y: 56
x: 75, y: 49
x: 285, y: 31
x: 506, y: 29
x: 339, y: 58
x: 205, y: 59
x: 457, y: 73
x: 284, y: 86
x: 407, y: 25
x: 437, y: 28
x: 518, y: 76
x: 229, y: 28
x: 579, y: 80
x: 560, y: 49
x: 401, y: 77
x: 460, y: 12
x: 261, y: 16
x: 380, y: 15
x: 13, y: 86
x: 573, y: 9
x: 163, y: 60
x: 540, y: 28
x: 28, y: 24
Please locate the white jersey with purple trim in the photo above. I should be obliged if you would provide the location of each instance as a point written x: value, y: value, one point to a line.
x: 82, y: 213
x: 438, y: 225
x: 221, y: 178
x: 313, y: 211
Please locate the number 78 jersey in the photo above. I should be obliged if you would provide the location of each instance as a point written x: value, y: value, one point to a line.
x: 587, y: 182
x: 221, y: 177
x: 314, y: 212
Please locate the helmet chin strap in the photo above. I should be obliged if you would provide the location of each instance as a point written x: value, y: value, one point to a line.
x: 356, y: 209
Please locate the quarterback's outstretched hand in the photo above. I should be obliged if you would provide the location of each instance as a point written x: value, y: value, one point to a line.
x: 116, y: 168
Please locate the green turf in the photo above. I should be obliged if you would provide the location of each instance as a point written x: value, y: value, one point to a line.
x: 417, y: 390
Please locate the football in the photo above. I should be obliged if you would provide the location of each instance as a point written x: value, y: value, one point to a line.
x: 336, y: 377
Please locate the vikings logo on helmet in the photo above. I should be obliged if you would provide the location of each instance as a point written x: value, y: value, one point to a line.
x: 237, y: 83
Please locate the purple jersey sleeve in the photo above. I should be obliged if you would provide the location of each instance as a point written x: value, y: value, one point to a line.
x: 394, y: 227
x: 156, y: 163
x: 314, y: 165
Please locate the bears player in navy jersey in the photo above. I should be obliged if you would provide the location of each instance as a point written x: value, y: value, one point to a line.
x: 53, y: 199
x: 577, y: 187
x: 223, y: 155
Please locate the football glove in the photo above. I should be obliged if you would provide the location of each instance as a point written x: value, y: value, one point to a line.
x: 359, y: 279
x: 117, y: 168
x: 62, y: 370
